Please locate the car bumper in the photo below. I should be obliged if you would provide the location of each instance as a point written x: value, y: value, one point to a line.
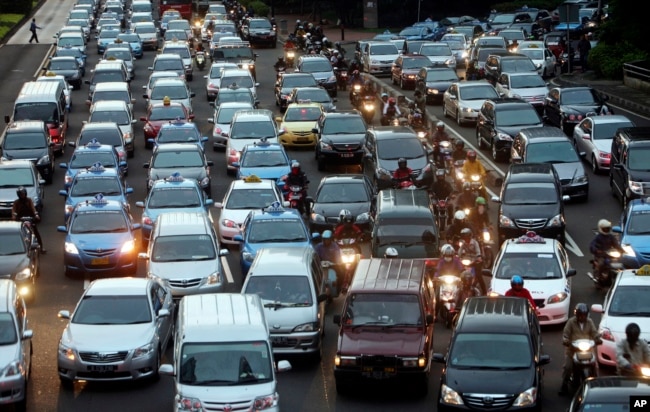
x: 320, y: 227
x: 263, y: 39
x: 226, y: 234
x: 296, y: 343
x: 298, y: 140
x: 606, y: 353
x: 151, y: 44
x: 126, y: 265
x: 128, y: 369
x: 635, y: 262
x: 211, y: 93
x: 332, y: 157
x: 450, y: 408
x: 12, y: 389
x: 554, y: 313
x: 579, y: 190
x: 469, y: 117
x: 356, y: 375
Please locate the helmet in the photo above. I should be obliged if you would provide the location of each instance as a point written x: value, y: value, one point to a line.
x: 471, y: 155
x: 581, y: 309
x: 335, y: 52
x: 298, y: 21
x: 324, y: 39
x: 480, y: 201
x: 440, y: 173
x: 295, y: 167
x: 466, y: 232
x: 604, y: 226
x: 327, y: 234
x: 632, y: 331
x: 459, y: 215
x: 440, y: 125
x: 355, y: 73
x: 516, y: 280
x: 466, y: 276
x: 21, y: 191
x: 459, y: 144
x: 384, y: 95
x: 401, y: 163
x: 447, y: 250
x: 391, y: 253
x: 337, y: 44
x: 345, y: 216
x: 391, y: 101
x: 280, y: 58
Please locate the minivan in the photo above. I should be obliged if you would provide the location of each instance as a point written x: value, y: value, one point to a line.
x: 629, y: 174
x: 29, y: 140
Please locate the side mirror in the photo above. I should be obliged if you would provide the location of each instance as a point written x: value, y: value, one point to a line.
x: 139, y: 204
x: 571, y: 272
x: 429, y: 319
x: 617, y: 229
x: 566, y: 198
x: 544, y: 360
x: 283, y: 366
x: 143, y: 255
x: 218, y: 205
x: 166, y: 369
x: 586, y: 136
x: 211, y: 120
x: 235, y: 164
x: 321, y: 298
x: 61, y: 229
x: 63, y: 193
x: 515, y: 159
x: 28, y: 334
x: 64, y: 314
x: 192, y: 94
x: 618, y: 166
x: 145, y: 166
x: 63, y: 165
x: 495, y: 199
x: 238, y: 238
x: 210, y: 163
x: 438, y: 358
x: 143, y: 119
x: 128, y: 190
x: 597, y: 308
x: 224, y: 252
x: 163, y: 313
x: 314, y: 130
x: 136, y: 226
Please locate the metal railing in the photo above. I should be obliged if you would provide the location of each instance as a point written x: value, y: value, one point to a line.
x: 637, y: 70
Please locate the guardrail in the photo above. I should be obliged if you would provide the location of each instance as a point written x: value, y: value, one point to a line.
x: 637, y: 70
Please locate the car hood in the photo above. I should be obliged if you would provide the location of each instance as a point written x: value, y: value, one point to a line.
x: 11, y: 264
x: 236, y: 215
x: 238, y: 394
x: 466, y: 381
x: 299, y: 126
x: 101, y: 338
x: 603, y: 145
x: 639, y: 176
x: 331, y: 210
x: 513, y: 130
x: 391, y: 164
x: 154, y: 213
x: 352, y: 139
x: 103, y: 241
x: 582, y: 109
x: 67, y: 73
x: 384, y: 57
x: 284, y: 320
x: 27, y: 154
x: 8, y: 354
x: 569, y: 170
x: 184, y: 270
x: 322, y: 75
x: 238, y: 144
x: 472, y: 104
x: 530, y: 92
x: 539, y: 288
x: 439, y: 85
x: 378, y: 340
x: 270, y: 173
x: 186, y: 172
x: 537, y: 211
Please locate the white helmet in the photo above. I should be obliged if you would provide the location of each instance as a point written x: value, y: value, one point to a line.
x: 459, y: 215
x: 604, y: 226
x: 335, y: 52
x: 298, y: 21
x: 324, y: 40
x: 440, y: 124
x: 391, y: 253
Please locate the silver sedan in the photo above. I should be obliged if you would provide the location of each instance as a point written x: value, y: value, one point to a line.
x: 463, y: 100
x: 118, y: 331
x: 593, y: 136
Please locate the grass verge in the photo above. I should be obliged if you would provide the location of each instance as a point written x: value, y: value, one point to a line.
x: 7, y: 21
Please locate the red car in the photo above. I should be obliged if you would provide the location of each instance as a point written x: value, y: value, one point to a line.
x: 161, y: 113
x: 406, y: 67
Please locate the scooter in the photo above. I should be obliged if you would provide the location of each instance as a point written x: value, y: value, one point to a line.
x: 605, y: 268
x: 341, y: 78
x: 486, y: 242
x: 332, y: 285
x: 350, y: 256
x: 584, y: 361
x: 296, y: 199
x: 368, y: 109
x: 449, y: 286
x: 199, y: 59
x: 289, y: 56
x: 355, y: 94
x: 442, y: 213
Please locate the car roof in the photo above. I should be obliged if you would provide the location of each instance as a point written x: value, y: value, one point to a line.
x: 472, y: 83
x: 348, y: 178
x: 10, y: 226
x: 609, y: 389
x: 176, y: 182
x: 612, y: 118
x: 173, y: 147
x: 388, y: 276
x: 487, y: 314
x: 108, y: 205
x: 531, y: 173
x: 109, y: 105
x: 266, y: 214
x: 171, y: 80
x: 393, y: 132
x: 275, y: 261
x: 112, y: 86
x: 118, y: 286
x: 104, y: 172
x: 242, y: 184
x: 16, y: 164
x: 530, y: 244
x: 100, y: 125
x: 544, y: 132
x: 633, y: 277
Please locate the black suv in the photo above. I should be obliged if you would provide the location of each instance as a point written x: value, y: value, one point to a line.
x: 495, y: 357
x: 629, y: 174
x: 29, y: 140
x: 566, y: 107
x: 340, y: 139
x: 510, y: 63
x: 321, y: 68
x: 531, y: 199
x: 239, y: 53
x: 259, y: 30
x: 499, y: 120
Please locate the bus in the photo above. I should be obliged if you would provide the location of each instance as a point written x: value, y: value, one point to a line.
x: 184, y: 7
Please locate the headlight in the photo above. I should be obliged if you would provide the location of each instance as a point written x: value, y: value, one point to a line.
x: 128, y: 246
x: 450, y: 396
x: 43, y: 160
x: 213, y: 279
x: 143, y: 351
x: 24, y: 274
x: 505, y: 221
x: 580, y: 179
x: 526, y: 398
x: 418, y: 362
x: 374, y: 61
x: 205, y: 181
x: 307, y: 327
x: 68, y: 209
x: 66, y: 352
x: 557, y: 220
x: 432, y: 91
x: 345, y: 360
x: 504, y: 136
x: 13, y: 369
x: 629, y: 251
x: 128, y: 137
x: 248, y: 256
x: 466, y: 109
x: 464, y: 54
x: 558, y: 297
x: 228, y: 223
x: 189, y: 404
x: 70, y: 248
x: 635, y: 187
x: 315, y: 217
x: 264, y: 402
x: 332, y: 79
x: 325, y: 146
x: 538, y: 66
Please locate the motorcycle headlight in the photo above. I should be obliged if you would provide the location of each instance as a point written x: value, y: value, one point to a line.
x: 450, y: 396
x: 248, y: 256
x: 24, y: 274
x: 70, y: 248
x: 635, y: 187
x: 526, y: 398
x: 213, y: 279
x: 505, y: 221
x: 557, y: 220
x: 629, y: 251
x: 143, y: 351
x: 315, y: 217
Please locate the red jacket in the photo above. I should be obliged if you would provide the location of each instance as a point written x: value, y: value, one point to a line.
x: 523, y: 293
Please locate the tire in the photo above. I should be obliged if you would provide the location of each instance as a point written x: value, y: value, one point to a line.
x: 155, y: 377
x: 401, y: 83
x: 458, y: 121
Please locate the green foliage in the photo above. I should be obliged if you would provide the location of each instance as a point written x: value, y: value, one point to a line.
x: 260, y: 8
x: 7, y: 21
x: 14, y: 7
x: 514, y: 5
x: 607, y: 60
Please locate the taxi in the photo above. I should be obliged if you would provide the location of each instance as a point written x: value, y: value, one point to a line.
x: 544, y: 265
x: 162, y: 113
x: 93, y: 181
x: 242, y: 197
x: 626, y: 302
x: 272, y: 226
x: 178, y: 131
x: 89, y: 154
x: 265, y: 160
x: 298, y: 121
x: 172, y: 194
x: 635, y: 233
x: 100, y: 240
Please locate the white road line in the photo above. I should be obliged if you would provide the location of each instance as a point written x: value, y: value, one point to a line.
x: 43, y: 64
x: 625, y: 109
x: 572, y: 246
x: 226, y: 269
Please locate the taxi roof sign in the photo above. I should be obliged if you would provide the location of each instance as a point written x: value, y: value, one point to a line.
x: 93, y: 143
x: 263, y: 142
x: 252, y: 179
x: 175, y: 177
x: 96, y: 167
x: 274, y: 207
x: 530, y: 237
x: 98, y: 200
x: 643, y: 271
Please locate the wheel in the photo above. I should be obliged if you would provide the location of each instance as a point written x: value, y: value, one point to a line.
x: 594, y: 165
x: 445, y: 111
x: 130, y: 154
x: 401, y: 83
x: 156, y: 376
x: 458, y: 121
x: 479, y: 141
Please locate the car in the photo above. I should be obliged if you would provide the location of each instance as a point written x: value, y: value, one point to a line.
x: 115, y: 111
x: 378, y: 57
x: 341, y: 139
x: 149, y: 34
x: 264, y: 160
x: 269, y: 227
x: 106, y: 133
x: 543, y: 60
x: 352, y: 192
x: 104, y: 38
x: 121, y: 51
x: 221, y: 120
x: 433, y: 82
x: 564, y: 107
x: 499, y: 63
x: 321, y: 68
x: 385, y: 145
x: 186, y: 158
x: 20, y: 257
x: 135, y: 41
x: 313, y: 95
x: 594, y: 135
x: 491, y: 42
x: 298, y: 123
x: 213, y: 77
x: 178, y: 131
x: 67, y: 89
x: 629, y: 176
x: 181, y: 24
x: 528, y: 86
x: 287, y: 82
x: 172, y: 194
x: 87, y: 155
x: 471, y: 30
x: 616, y: 392
x: 234, y: 94
x: 181, y: 49
x: 549, y: 144
x: 140, y: 17
x: 406, y: 69
x: 545, y: 267
x: 168, y: 62
x: 100, y: 240
x: 248, y: 127
x: 169, y: 15
x: 162, y: 113
x: 417, y: 33
x: 154, y: 77
x: 76, y: 53
x: 29, y: 140
x: 175, y: 90
x: 499, y: 120
x: 107, y: 71
x: 68, y: 67
x: 242, y: 197
x: 239, y: 52
x: 479, y: 55
x: 15, y: 174
x: 624, y: 303
x: 95, y: 180
x: 219, y: 24
x: 504, y: 20
x: 71, y: 40
x: 72, y: 24
x: 239, y: 77
x: 463, y: 100
x: 512, y: 36
x: 634, y: 231
x: 139, y: 311
x: 112, y: 91
x: 259, y: 30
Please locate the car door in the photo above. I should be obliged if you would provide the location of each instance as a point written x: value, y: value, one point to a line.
x: 621, y: 175
x: 450, y: 100
x: 552, y: 107
x: 549, y: 62
x: 582, y: 137
x: 320, y: 285
x: 483, y: 125
x: 162, y: 299
x: 23, y: 325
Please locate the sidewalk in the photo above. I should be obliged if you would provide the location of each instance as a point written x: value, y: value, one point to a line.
x: 619, y: 94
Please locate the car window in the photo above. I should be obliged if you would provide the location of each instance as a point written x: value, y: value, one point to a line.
x: 8, y: 334
x: 551, y: 152
x: 250, y: 198
x: 277, y: 231
x: 383, y: 309
x: 393, y: 149
x: 289, y: 290
x: 24, y: 141
x: 183, y: 248
x: 342, y: 193
x: 483, y: 350
x: 178, y: 158
x: 173, y: 198
x: 630, y: 301
x: 93, y: 186
x: 112, y: 310
x: 530, y: 266
x: 530, y: 194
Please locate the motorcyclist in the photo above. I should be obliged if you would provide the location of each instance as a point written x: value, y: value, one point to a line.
x: 467, y: 289
x: 439, y: 135
x: 473, y: 166
x: 280, y: 65
x: 580, y: 326
x: 290, y: 43
x: 420, y: 101
x: 403, y: 172
x: 416, y: 119
x: 346, y: 228
x: 517, y: 289
x: 604, y: 241
x: 390, y: 111
x: 449, y: 264
x: 24, y: 207
x: 441, y: 187
x: 631, y: 352
x: 296, y: 178
x: 472, y: 72
x: 391, y: 253
x: 340, y: 62
x: 329, y: 251
x: 459, y: 152
x: 211, y: 26
x: 467, y: 199
x: 470, y: 249
x: 334, y: 58
x: 340, y: 48
x: 297, y: 27
x: 479, y: 217
x: 355, y: 64
x: 384, y: 100
x: 457, y: 225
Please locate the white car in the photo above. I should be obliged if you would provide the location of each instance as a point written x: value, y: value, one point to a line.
x: 242, y: 197
x: 114, y: 111
x: 175, y: 89
x: 626, y: 302
x: 240, y: 77
x: 221, y: 120
x: 51, y: 77
x: 543, y: 59
x: 154, y: 77
x: 247, y: 127
x: 214, y: 79
x: 378, y: 57
x: 463, y: 100
x: 529, y: 86
x: 439, y: 54
x: 544, y: 266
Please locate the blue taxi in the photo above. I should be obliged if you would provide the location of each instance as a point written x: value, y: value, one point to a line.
x: 172, y: 194
x: 100, y: 240
x: 92, y: 181
x: 271, y: 226
x: 265, y: 160
x: 179, y: 131
x: 89, y: 154
x: 635, y: 233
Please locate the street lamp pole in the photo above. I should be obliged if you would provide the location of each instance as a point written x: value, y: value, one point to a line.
x: 419, y: 3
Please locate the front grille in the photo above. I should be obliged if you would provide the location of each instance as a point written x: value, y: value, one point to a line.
x: 348, y: 147
x: 302, y: 134
x: 184, y: 283
x: 99, y: 252
x: 487, y: 401
x: 103, y: 357
x: 229, y: 406
x: 379, y: 361
x: 530, y: 223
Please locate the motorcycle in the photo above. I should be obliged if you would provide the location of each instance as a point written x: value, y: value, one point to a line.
x: 332, y: 284
x: 605, y: 268
x: 486, y: 242
x: 468, y: 265
x: 449, y: 286
x: 350, y: 256
x: 368, y: 109
x: 456, y: 173
x: 442, y: 213
x: 584, y: 361
x: 355, y: 95
x: 296, y: 199
x: 199, y: 59
x: 444, y: 155
x: 341, y: 78
x: 289, y: 56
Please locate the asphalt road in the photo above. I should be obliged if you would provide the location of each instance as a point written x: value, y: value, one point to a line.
x: 306, y: 387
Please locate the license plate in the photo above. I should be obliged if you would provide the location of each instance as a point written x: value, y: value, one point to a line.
x: 346, y: 154
x: 102, y: 368
x: 302, y: 139
x: 279, y: 340
x: 369, y: 372
x: 99, y: 261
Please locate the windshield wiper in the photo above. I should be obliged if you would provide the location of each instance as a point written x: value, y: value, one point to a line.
x: 208, y: 382
x: 375, y: 323
x: 282, y: 240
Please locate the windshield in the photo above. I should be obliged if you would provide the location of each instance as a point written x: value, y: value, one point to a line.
x: 630, y: 301
x: 177, y: 158
x: 442, y: 75
x: 605, y: 131
x: 167, y: 113
x: 111, y: 95
x: 252, y: 130
x: 250, y: 199
x: 260, y: 24
x: 490, y: 351
x: 524, y: 116
x: 11, y: 244
x: 16, y: 177
x: 347, y: 125
x: 467, y: 31
x: 527, y: 81
x: 383, y: 49
x: 240, y: 81
x: 298, y: 81
x: 233, y: 53
x: 242, y: 96
x: 70, y: 42
x: 24, y: 141
x: 215, y: 72
x: 383, y: 309
x: 529, y: 266
x: 517, y: 65
x: 173, y: 92
x: 503, y: 19
x: 478, y: 92
x: 318, y: 65
x: 579, y: 97
x: 225, y: 114
x: 146, y: 29
x: 183, y: 248
x: 638, y: 224
x: 174, y: 198
x: 225, y: 364
x: 393, y: 149
x: 302, y: 114
x: 184, y: 52
x: 129, y: 38
x: 82, y: 160
x: 638, y: 159
x: 179, y: 24
x: 118, y: 54
x: 92, y: 186
x: 411, y: 31
x: 407, y: 232
x: 69, y: 52
x: 36, y: 111
x: 435, y: 50
x: 7, y: 329
x: 108, y: 34
x: 108, y: 76
x: 102, y: 135
x: 264, y: 158
x: 112, y: 310
x: 415, y: 63
x: 530, y: 194
x: 277, y: 230
x: 318, y: 96
x: 289, y: 290
x: 342, y: 193
x: 63, y: 65
x: 169, y: 64
x: 99, y: 222
x: 551, y: 152
x: 513, y: 35
x: 534, y: 54
x: 119, y: 117
x: 178, y: 135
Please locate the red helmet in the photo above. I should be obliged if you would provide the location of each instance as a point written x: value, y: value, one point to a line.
x: 391, y: 100
x: 295, y: 168
x: 471, y: 155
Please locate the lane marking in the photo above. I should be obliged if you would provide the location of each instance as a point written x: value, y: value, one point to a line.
x: 43, y: 64
x: 572, y: 246
x: 226, y: 269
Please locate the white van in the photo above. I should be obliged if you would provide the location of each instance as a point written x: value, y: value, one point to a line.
x: 222, y: 355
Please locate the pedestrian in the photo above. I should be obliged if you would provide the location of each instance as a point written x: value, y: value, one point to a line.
x: 583, y: 47
x: 32, y: 28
